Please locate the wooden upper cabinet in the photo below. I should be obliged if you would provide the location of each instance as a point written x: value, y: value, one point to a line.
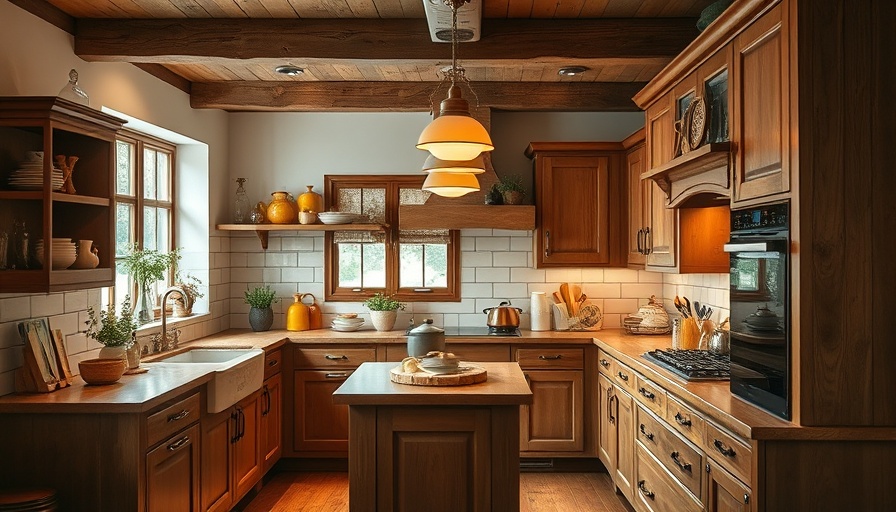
x: 660, y: 132
x: 761, y: 113
x: 660, y: 234
x: 579, y: 205
x: 638, y: 204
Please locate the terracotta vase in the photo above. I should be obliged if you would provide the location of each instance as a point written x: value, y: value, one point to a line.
x: 87, y: 255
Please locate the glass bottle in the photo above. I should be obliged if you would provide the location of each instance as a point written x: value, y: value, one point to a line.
x: 241, y: 204
x: 72, y: 91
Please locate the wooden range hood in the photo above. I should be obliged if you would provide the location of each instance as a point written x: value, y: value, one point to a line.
x: 468, y: 211
x: 703, y: 171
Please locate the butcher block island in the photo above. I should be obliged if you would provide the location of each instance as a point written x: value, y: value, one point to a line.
x: 432, y: 447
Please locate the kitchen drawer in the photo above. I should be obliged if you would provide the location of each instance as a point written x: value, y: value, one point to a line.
x: 685, y: 420
x: 273, y: 362
x: 624, y: 376
x: 333, y: 357
x: 651, y: 395
x: 680, y: 458
x: 732, y: 453
x: 173, y: 418
x: 605, y: 363
x: 656, y: 490
x: 550, y: 358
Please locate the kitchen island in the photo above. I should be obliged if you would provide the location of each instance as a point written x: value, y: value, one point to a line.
x: 434, y: 448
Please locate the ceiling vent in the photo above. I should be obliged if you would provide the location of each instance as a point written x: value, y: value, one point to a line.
x: 438, y: 17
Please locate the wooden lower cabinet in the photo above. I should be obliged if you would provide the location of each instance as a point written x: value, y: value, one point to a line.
x: 658, y: 491
x: 725, y: 493
x: 555, y: 420
x: 232, y: 460
x: 607, y: 439
x: 172, y: 473
x: 318, y: 424
x: 272, y: 421
x: 616, y: 435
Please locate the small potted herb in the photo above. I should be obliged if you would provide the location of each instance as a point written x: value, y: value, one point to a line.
x: 147, y: 266
x: 115, y: 332
x: 511, y: 187
x: 383, y: 310
x: 494, y: 196
x: 261, y: 315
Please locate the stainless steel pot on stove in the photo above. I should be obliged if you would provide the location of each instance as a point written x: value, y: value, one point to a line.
x: 503, y: 315
x: 425, y: 338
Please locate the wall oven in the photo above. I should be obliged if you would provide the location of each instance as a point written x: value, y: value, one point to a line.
x: 760, y: 306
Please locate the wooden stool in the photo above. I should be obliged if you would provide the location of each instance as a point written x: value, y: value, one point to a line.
x: 28, y: 500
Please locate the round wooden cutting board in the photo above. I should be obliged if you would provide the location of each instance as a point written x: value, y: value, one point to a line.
x: 469, y: 375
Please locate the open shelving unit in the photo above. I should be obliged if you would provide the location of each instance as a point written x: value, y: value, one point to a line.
x: 263, y: 230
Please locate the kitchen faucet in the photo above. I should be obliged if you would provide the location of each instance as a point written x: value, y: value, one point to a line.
x: 163, y: 341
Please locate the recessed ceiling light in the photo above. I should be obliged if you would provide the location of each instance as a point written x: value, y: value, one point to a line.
x: 289, y: 70
x: 571, y: 70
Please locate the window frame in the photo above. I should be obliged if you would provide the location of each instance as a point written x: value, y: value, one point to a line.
x: 141, y: 141
x: 392, y: 183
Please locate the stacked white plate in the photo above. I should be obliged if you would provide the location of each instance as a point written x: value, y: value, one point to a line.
x: 30, y: 176
x: 347, y: 324
x: 336, y: 217
x: 64, y: 252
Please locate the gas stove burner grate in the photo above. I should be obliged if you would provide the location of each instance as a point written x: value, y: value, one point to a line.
x: 504, y: 331
x: 692, y: 364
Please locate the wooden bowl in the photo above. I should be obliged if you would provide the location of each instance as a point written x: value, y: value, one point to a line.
x: 102, y: 371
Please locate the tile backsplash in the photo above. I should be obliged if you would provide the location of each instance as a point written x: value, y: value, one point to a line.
x: 496, y: 265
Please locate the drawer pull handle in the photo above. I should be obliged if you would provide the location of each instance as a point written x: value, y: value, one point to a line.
x: 622, y: 376
x: 685, y: 466
x: 336, y: 358
x: 727, y: 451
x: 336, y: 375
x: 647, y: 394
x: 645, y: 433
x: 179, y: 416
x: 604, y: 363
x: 273, y: 362
x: 177, y: 444
x: 550, y: 358
x: 644, y: 490
x: 681, y: 420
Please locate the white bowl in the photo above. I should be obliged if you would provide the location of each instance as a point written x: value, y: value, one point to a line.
x: 342, y: 328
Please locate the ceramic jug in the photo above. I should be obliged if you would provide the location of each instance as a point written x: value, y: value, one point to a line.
x: 87, y: 255
x: 280, y: 211
x: 311, y: 201
x: 297, y: 317
x: 314, y: 313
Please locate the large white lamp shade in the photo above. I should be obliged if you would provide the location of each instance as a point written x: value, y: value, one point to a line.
x: 450, y: 184
x: 455, y: 135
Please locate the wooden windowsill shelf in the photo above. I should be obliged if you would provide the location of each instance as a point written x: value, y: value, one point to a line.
x: 432, y: 216
x: 262, y: 230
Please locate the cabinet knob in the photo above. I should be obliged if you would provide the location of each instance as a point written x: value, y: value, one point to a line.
x: 604, y: 363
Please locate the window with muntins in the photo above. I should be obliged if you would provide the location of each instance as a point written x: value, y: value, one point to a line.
x: 412, y: 265
x: 144, y: 201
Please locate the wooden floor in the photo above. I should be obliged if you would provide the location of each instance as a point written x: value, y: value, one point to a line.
x: 548, y: 492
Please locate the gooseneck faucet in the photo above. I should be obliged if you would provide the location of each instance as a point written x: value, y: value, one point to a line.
x: 188, y: 302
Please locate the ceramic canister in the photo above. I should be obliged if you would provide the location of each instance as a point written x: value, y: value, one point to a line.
x: 297, y: 316
x: 540, y: 312
x: 280, y: 211
x: 311, y: 201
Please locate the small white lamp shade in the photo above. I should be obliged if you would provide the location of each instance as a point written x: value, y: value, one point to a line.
x: 450, y: 184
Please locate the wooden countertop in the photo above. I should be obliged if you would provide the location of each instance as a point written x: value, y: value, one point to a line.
x: 398, y: 336
x: 370, y: 385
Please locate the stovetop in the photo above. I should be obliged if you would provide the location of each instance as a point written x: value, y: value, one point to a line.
x: 484, y: 332
x: 692, y: 364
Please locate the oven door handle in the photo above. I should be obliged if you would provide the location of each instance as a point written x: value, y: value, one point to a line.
x: 747, y: 247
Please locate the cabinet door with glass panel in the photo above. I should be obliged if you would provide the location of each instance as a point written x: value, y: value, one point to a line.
x: 144, y: 202
x: 412, y: 265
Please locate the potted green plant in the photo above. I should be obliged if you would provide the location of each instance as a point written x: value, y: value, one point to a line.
x: 383, y: 310
x: 494, y: 195
x: 261, y: 315
x: 511, y: 187
x: 147, y: 266
x: 115, y: 333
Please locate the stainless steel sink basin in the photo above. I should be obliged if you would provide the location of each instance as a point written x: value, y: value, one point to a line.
x: 237, y: 373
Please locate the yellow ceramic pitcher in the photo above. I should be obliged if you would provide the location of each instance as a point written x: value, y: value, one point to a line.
x: 297, y: 317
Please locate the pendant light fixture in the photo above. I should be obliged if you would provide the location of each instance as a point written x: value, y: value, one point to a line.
x: 474, y: 166
x: 451, y: 184
x: 454, y: 134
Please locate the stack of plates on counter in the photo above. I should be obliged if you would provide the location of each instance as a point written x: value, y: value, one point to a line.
x: 30, y: 176
x: 347, y: 322
x: 337, y: 217
x: 64, y: 252
x: 441, y: 363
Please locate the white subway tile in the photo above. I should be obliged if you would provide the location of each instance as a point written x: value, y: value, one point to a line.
x: 7, y: 383
x: 493, y: 243
x: 476, y: 290
x: 649, y: 277
x: 621, y: 306
x: 468, y: 275
x: 75, y: 343
x: 47, y: 305
x: 11, y: 358
x: 527, y: 275
x: 612, y: 321
x: 509, y: 259
x: 311, y: 259
x: 9, y: 335
x: 521, y: 244
x: 239, y: 259
x: 17, y: 308
x: 274, y: 242
x: 492, y: 275
x: 246, y: 275
x: 67, y: 323
x: 472, y: 319
x: 281, y: 259
x: 516, y: 292
x: 602, y: 291
x: 246, y: 244
x: 467, y: 243
x: 297, y: 275
x: 476, y: 232
x: 271, y: 275
x: 620, y: 275
x: 476, y: 259
x: 635, y: 291
x: 297, y: 244
x: 255, y: 259
x: 593, y: 275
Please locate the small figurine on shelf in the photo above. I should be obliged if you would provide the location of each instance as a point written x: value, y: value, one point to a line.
x: 68, y: 167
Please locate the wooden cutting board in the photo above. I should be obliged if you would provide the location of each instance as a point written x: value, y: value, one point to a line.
x: 472, y: 375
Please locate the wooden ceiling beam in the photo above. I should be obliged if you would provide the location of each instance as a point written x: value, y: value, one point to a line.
x: 412, y: 96
x: 183, y: 40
